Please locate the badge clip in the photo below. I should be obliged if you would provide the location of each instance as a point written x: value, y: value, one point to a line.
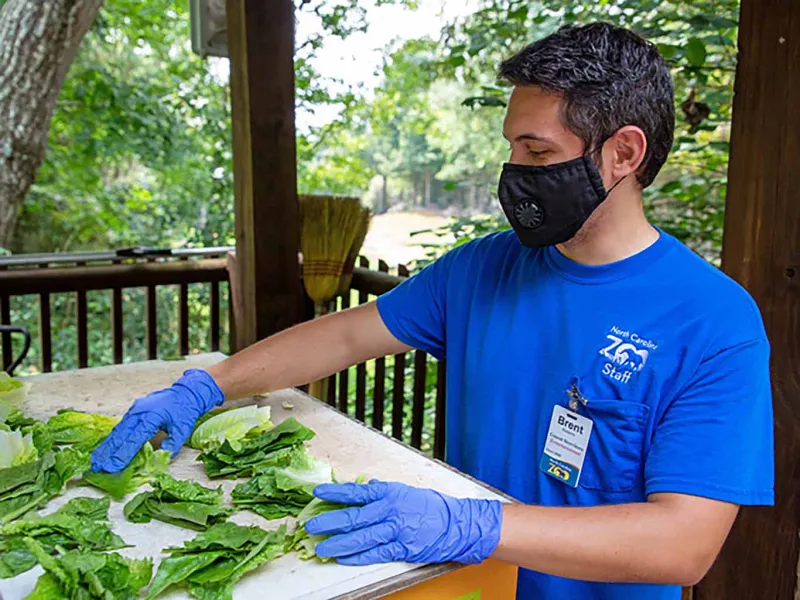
x: 576, y: 398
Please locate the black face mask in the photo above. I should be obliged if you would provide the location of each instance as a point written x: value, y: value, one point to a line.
x: 547, y: 205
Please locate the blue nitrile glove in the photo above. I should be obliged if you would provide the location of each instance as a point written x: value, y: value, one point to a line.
x: 173, y: 410
x: 400, y: 523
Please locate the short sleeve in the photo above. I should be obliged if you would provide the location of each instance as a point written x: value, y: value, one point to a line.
x: 716, y: 438
x: 414, y: 311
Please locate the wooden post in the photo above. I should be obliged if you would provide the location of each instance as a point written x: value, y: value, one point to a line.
x: 261, y: 48
x: 761, y: 249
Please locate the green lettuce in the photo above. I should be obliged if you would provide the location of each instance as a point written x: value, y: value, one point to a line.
x: 29, y: 486
x: 300, y: 541
x: 86, y: 574
x: 179, y: 502
x: 210, y: 564
x: 231, y: 425
x: 273, y: 447
x: 16, y: 449
x: 276, y: 492
x: 84, y: 430
x: 80, y: 523
x: 144, y: 468
x: 12, y: 390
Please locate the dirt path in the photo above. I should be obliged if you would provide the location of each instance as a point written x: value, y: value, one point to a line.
x: 390, y: 239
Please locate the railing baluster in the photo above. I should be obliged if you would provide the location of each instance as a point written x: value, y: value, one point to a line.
x: 45, y: 332
x: 151, y: 321
x: 418, y: 407
x: 83, y: 328
x: 440, y: 420
x: 183, y: 318
x: 5, y: 319
x: 344, y: 376
x: 117, y: 335
x: 361, y: 369
x: 379, y: 393
x: 332, y: 380
x: 398, y: 393
x: 214, y: 316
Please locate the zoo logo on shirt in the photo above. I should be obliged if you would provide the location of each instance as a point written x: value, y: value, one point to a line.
x: 628, y: 353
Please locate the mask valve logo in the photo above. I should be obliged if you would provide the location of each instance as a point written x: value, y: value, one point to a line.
x: 529, y: 214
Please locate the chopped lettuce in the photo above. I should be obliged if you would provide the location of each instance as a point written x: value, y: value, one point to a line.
x: 211, y: 563
x: 179, y: 502
x: 144, y: 468
x: 16, y: 449
x: 276, y: 492
x: 231, y: 425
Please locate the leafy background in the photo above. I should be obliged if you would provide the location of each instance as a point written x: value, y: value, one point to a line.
x: 140, y: 143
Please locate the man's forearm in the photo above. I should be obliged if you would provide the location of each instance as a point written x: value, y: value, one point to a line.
x: 653, y: 542
x: 307, y: 352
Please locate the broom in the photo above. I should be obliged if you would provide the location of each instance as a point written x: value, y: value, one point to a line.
x: 329, y: 226
x: 355, y: 249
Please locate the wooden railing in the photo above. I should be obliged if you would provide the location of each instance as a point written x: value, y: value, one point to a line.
x: 402, y: 395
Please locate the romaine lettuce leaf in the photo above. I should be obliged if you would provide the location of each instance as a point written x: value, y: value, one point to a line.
x: 179, y: 502
x: 211, y: 563
x: 276, y: 492
x: 142, y: 469
x: 231, y: 425
x: 88, y: 574
x: 273, y: 446
x: 80, y: 523
x: 86, y: 430
x: 16, y: 449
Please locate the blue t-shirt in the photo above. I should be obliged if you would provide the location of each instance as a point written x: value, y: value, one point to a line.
x: 670, y: 353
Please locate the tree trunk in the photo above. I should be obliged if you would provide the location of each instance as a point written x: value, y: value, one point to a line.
x: 38, y: 42
x: 427, y: 199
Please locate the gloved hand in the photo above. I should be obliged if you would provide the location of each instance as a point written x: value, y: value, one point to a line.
x: 174, y: 410
x: 399, y: 523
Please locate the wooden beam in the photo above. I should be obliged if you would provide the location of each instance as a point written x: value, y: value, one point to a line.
x: 761, y: 249
x: 261, y: 48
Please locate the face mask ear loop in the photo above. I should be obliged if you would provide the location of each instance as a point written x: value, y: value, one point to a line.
x: 608, y: 193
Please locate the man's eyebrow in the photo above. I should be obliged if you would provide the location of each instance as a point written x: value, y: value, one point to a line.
x: 531, y: 136
x: 535, y: 137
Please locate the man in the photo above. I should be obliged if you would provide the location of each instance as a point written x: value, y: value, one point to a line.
x: 598, y: 371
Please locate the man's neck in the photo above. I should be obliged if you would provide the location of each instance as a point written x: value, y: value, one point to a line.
x: 615, y: 232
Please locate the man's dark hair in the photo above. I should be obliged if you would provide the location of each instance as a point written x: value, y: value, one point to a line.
x: 609, y: 78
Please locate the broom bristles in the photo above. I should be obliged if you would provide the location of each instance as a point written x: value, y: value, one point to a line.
x: 355, y: 249
x: 329, y: 227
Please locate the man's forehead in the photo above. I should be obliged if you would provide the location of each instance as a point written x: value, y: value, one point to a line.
x: 533, y: 114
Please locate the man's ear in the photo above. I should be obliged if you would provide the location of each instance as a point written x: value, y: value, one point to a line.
x: 623, y: 152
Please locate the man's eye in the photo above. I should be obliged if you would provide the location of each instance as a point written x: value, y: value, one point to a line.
x: 538, y: 154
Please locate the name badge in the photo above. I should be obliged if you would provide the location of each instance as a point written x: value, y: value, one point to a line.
x: 565, y: 449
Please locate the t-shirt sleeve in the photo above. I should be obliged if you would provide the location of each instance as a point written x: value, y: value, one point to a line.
x: 716, y: 439
x: 414, y: 311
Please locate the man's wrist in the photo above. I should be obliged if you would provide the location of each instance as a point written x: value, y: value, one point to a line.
x: 203, y: 388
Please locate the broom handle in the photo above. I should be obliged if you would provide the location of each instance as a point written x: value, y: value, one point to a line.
x: 319, y: 389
